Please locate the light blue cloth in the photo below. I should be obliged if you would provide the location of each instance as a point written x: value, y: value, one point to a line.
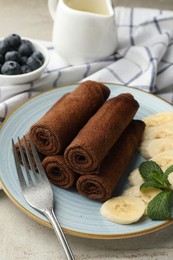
x: 144, y: 60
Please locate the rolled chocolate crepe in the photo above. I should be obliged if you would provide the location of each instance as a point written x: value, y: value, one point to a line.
x: 58, y: 172
x: 100, y: 187
x: 91, y: 145
x: 26, y: 136
x: 56, y: 129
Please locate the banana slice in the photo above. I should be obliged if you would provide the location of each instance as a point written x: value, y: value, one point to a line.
x: 146, y: 194
x: 164, y: 159
x: 133, y: 191
x: 135, y: 178
x: 158, y: 119
x: 149, y: 193
x: 161, y: 131
x: 150, y: 148
x: 123, y: 209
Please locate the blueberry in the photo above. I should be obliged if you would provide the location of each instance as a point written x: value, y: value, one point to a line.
x: 25, y: 69
x: 33, y: 63
x: 4, y: 47
x: 14, y: 40
x: 27, y: 41
x: 23, y: 60
x: 1, y: 59
x: 11, y: 68
x: 13, y: 56
x: 26, y: 48
x: 38, y: 55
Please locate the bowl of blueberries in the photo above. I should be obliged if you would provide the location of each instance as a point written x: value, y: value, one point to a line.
x: 21, y: 60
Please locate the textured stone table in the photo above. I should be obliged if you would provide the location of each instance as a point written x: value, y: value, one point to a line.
x: 24, y: 239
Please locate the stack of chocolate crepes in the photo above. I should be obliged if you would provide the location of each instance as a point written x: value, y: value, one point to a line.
x: 87, y: 140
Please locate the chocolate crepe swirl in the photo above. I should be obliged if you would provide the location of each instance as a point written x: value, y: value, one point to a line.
x: 88, y: 149
x: 100, y: 186
x: 56, y: 129
x: 58, y: 172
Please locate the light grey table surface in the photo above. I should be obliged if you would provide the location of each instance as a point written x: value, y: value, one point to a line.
x: 21, y: 238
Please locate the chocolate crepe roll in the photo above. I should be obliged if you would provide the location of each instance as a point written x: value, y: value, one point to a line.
x: 100, y: 187
x: 90, y: 146
x: 58, y: 172
x: 26, y: 136
x: 56, y: 129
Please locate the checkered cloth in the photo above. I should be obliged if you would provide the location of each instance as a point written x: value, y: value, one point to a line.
x: 144, y: 60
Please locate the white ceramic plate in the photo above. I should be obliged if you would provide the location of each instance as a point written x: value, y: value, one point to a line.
x: 78, y: 215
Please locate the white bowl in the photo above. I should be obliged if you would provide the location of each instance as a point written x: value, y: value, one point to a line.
x: 30, y: 76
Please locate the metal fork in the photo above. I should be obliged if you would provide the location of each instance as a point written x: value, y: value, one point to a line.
x: 37, y: 190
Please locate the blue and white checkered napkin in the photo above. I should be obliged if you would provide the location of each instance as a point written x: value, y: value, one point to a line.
x: 144, y: 60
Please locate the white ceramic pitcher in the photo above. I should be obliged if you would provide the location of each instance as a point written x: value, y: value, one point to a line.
x: 84, y: 30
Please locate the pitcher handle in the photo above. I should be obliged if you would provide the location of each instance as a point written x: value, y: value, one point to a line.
x: 52, y: 4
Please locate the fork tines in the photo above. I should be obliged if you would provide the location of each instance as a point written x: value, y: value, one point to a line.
x: 27, y: 155
x: 36, y: 188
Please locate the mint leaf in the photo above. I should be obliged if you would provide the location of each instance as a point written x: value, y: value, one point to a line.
x: 162, y: 180
x: 159, y: 208
x: 150, y: 170
x: 169, y: 170
x: 151, y: 184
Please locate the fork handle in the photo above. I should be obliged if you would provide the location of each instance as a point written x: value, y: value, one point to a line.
x: 60, y: 235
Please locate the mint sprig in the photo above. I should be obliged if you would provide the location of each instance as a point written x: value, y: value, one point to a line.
x: 153, y: 174
x: 159, y: 208
x: 168, y: 171
x: 151, y: 184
